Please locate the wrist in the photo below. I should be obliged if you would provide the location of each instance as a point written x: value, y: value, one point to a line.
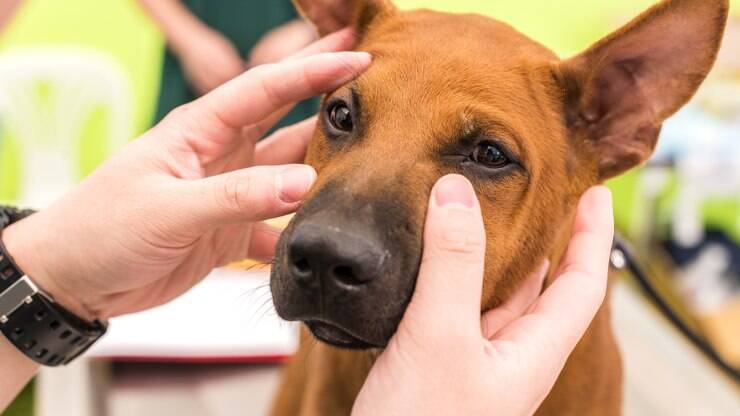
x: 26, y: 247
x: 16, y: 369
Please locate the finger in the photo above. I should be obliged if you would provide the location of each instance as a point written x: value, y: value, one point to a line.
x: 448, y: 289
x: 263, y: 90
x: 337, y: 41
x: 584, y: 269
x: 340, y: 40
x: 569, y: 304
x: 287, y: 145
x: 263, y: 241
x: 245, y: 195
x: 242, y: 154
x: 516, y: 306
x: 257, y: 130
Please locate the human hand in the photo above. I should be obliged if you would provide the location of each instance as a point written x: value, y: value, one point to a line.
x: 446, y: 359
x: 185, y: 197
x: 209, y: 60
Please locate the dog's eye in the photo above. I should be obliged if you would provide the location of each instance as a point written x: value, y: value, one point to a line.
x: 489, y: 155
x: 340, y: 117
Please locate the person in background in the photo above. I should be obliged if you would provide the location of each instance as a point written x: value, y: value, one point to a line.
x: 7, y: 10
x: 209, y: 42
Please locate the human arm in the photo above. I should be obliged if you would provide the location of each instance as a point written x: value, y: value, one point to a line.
x: 185, y: 197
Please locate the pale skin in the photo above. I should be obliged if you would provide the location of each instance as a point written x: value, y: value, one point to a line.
x: 208, y: 58
x: 189, y: 195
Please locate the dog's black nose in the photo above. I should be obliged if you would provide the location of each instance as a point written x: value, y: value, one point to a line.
x: 325, y: 254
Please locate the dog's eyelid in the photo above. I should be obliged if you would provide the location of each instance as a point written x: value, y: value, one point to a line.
x: 499, y: 142
x: 478, y: 125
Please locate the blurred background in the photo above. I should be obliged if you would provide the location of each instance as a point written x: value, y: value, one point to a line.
x: 80, y: 78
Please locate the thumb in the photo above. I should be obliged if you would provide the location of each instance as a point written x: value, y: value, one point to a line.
x: 246, y: 195
x: 448, y: 289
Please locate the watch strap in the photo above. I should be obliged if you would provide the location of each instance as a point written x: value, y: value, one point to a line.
x: 39, y: 327
x: 44, y: 331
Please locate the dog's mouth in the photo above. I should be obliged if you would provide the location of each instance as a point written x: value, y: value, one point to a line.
x: 338, y: 337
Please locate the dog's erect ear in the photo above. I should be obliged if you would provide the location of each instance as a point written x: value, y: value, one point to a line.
x: 621, y: 89
x: 331, y: 15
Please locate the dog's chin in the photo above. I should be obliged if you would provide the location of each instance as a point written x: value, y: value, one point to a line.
x: 338, y: 337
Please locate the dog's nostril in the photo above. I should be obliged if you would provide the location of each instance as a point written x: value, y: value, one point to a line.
x: 302, y: 266
x: 347, y: 275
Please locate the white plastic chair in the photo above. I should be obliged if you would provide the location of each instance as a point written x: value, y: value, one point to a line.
x: 78, y: 81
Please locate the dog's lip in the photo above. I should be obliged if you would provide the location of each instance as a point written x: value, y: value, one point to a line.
x: 336, y: 336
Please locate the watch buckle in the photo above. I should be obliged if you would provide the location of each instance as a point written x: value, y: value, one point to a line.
x: 12, y: 298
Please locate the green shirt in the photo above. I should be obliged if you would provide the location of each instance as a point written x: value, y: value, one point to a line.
x: 243, y: 22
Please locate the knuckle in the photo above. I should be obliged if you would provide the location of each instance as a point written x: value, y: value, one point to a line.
x: 272, y: 95
x: 235, y: 193
x: 456, y: 232
x: 182, y: 112
x: 310, y: 79
x: 459, y: 242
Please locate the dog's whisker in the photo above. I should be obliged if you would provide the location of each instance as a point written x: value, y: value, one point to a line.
x: 263, y: 309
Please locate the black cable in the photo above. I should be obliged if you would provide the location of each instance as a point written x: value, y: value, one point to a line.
x: 621, y: 247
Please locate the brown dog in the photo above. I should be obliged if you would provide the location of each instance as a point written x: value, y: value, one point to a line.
x: 468, y: 94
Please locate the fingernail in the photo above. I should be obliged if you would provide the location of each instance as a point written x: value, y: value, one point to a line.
x: 599, y: 195
x: 454, y: 190
x: 354, y: 62
x: 293, y: 183
x: 364, y: 57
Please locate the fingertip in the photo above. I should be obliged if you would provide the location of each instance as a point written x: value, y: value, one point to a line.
x: 597, y: 196
x: 454, y: 191
x: 335, y: 69
x: 454, y: 217
x: 356, y: 61
x: 365, y: 58
x: 595, y: 210
x: 293, y: 182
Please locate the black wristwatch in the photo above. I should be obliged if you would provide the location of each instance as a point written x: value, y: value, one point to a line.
x: 39, y: 327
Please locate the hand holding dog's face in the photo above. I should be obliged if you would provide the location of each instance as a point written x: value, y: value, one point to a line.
x: 506, y: 361
x: 466, y: 94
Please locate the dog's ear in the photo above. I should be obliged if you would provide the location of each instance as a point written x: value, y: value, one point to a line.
x: 331, y: 15
x: 620, y: 90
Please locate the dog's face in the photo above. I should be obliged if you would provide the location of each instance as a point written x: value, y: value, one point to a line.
x: 470, y: 95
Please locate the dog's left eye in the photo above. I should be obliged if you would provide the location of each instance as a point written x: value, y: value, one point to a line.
x: 340, y: 117
x: 489, y: 155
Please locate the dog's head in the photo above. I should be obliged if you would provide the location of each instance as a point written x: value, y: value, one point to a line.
x: 468, y: 94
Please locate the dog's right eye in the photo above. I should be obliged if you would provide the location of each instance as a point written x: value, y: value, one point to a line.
x: 340, y: 117
x: 490, y: 156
